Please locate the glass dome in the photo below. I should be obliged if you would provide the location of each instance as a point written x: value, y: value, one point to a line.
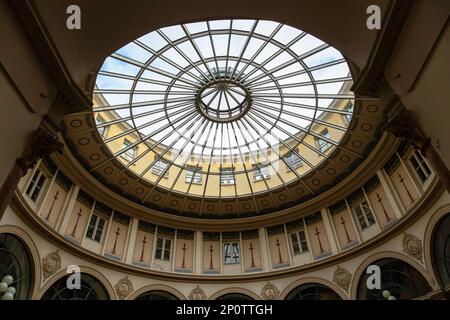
x: 223, y: 108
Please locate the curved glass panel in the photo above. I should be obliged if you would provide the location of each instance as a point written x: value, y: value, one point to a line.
x: 313, y: 291
x: 156, y: 295
x: 235, y: 296
x: 402, y: 281
x: 223, y: 108
x: 441, y: 250
x: 15, y: 263
x: 90, y: 289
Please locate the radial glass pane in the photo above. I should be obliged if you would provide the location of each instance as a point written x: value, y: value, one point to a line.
x: 251, y: 104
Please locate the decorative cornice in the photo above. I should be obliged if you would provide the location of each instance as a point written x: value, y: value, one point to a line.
x: 51, y: 264
x: 270, y: 292
x: 123, y: 288
x: 412, y: 246
x: 33, y: 221
x: 365, y: 171
x: 342, y: 277
x: 197, y: 294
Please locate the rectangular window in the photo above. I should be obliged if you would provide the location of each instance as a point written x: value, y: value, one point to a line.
x: 420, y: 166
x: 298, y: 240
x: 193, y: 175
x: 322, y: 144
x: 130, y: 153
x: 231, y: 253
x: 348, y: 117
x: 36, y: 184
x: 95, y: 228
x: 159, y: 167
x: 364, y: 215
x: 163, y: 247
x: 260, y: 173
x: 227, y: 177
x: 293, y: 160
x: 102, y: 130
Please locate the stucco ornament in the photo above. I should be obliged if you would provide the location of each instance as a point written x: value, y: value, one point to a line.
x: 412, y: 246
x: 124, y: 288
x: 269, y: 292
x: 197, y: 294
x: 342, y: 278
x: 51, y: 263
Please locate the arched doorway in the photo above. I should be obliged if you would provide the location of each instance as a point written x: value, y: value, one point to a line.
x: 235, y: 296
x: 402, y: 281
x: 156, y: 295
x: 91, y: 289
x: 440, y: 249
x: 312, y: 291
x: 15, y: 266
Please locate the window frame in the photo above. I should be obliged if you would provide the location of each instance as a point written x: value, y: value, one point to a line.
x: 227, y: 181
x: 348, y: 117
x: 422, y: 165
x: 323, y: 145
x: 95, y: 227
x: 302, y: 244
x: 231, y: 253
x: 294, y: 163
x: 100, y: 120
x: 258, y: 172
x: 367, y: 221
x: 129, y: 157
x: 193, y: 175
x: 34, y: 184
x: 156, y: 167
x: 164, y: 249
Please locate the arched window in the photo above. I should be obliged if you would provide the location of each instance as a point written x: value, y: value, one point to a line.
x: 441, y: 250
x: 398, y: 277
x: 157, y: 295
x: 90, y: 289
x: 312, y: 291
x: 235, y: 296
x: 15, y: 264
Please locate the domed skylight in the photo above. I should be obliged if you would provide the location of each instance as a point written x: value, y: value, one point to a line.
x: 223, y: 108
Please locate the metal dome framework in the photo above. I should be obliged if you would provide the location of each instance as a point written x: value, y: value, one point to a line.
x: 212, y: 96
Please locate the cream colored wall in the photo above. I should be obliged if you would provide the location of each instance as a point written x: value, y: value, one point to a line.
x: 419, y: 74
x: 188, y: 256
x: 339, y: 227
x: 148, y: 249
x: 55, y: 205
x: 83, y: 221
x: 331, y: 232
x: 396, y: 175
x: 246, y: 254
x: 284, y: 283
x: 216, y: 258
x: 25, y: 90
x: 378, y: 205
x: 313, y: 238
x: 121, y: 239
x: 273, y: 249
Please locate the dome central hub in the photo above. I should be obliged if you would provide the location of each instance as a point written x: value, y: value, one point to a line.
x: 223, y: 100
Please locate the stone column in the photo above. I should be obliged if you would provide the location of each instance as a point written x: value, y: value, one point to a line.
x: 43, y: 143
x: 403, y: 125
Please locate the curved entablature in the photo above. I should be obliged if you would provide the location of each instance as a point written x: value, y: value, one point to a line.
x: 224, y: 119
x: 400, y: 187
